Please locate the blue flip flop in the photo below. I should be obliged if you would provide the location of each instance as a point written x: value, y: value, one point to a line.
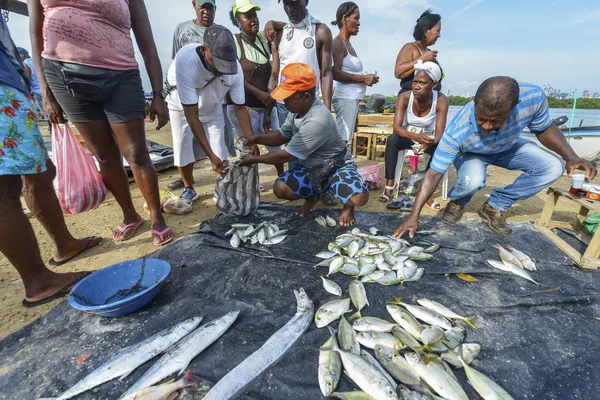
x: 398, y: 203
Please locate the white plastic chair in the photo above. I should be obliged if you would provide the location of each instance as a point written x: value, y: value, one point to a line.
x: 402, y: 154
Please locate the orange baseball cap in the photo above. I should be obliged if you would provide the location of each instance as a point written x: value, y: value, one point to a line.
x: 296, y: 77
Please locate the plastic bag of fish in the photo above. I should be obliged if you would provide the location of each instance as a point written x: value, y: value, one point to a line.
x: 264, y: 233
x: 373, y: 258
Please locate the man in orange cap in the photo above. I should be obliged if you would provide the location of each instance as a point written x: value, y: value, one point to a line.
x: 324, y: 163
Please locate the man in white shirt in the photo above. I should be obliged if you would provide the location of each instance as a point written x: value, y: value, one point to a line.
x: 204, y: 75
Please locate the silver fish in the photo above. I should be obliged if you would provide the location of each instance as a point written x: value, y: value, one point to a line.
x: 366, y: 376
x: 321, y: 221
x: 432, y: 249
x: 487, y: 388
x: 512, y: 268
x: 436, y: 376
x: 426, y: 315
x: 331, y: 286
x: 524, y: 259
x: 166, y: 390
x: 353, y: 249
x: 235, y: 241
x: 347, y: 337
x: 507, y: 256
x: 406, y: 338
x: 470, y: 351
x: 405, y: 320
x: 365, y: 267
x: 239, y: 378
x: 431, y: 335
x: 373, y: 231
x: 132, y: 357
x: 388, y: 279
x: 358, y: 295
x: 445, y: 311
x: 350, y: 269
x: 330, y: 221
x: 179, y: 356
x: 330, y: 369
x: 373, y: 361
x: 373, y: 276
x: 331, y: 311
x: 326, y: 254
x: 373, y: 324
x: 336, y: 265
x: 372, y: 339
x: 396, y: 365
x: 418, y: 275
x: 354, y: 395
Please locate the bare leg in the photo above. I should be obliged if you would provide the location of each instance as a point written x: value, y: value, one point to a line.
x: 347, y: 216
x: 42, y: 202
x: 131, y: 137
x: 19, y: 245
x: 187, y: 174
x: 100, y: 140
x: 283, y: 191
x: 279, y: 168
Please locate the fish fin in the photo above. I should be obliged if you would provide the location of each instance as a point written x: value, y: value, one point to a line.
x: 354, y: 316
x: 334, y: 344
x: 469, y: 322
x: 396, y: 301
x: 188, y: 379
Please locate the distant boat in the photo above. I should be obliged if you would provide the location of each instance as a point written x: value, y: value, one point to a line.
x: 585, y: 140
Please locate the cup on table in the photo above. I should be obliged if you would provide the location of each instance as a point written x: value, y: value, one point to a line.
x: 577, y: 181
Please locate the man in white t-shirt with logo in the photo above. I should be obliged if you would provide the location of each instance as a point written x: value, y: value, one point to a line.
x: 204, y: 75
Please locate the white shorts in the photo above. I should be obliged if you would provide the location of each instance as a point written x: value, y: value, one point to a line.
x: 183, y: 138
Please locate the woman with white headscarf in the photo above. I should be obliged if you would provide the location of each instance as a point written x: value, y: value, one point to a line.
x: 419, y: 123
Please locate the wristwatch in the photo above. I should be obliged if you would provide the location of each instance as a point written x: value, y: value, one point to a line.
x: 159, y: 93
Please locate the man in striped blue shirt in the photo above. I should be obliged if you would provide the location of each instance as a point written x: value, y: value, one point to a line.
x: 487, y: 131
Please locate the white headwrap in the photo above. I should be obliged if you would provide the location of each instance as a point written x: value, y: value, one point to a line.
x: 430, y: 68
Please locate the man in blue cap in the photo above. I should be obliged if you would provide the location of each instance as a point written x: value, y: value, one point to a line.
x: 35, y: 85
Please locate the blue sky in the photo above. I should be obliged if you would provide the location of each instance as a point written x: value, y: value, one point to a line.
x: 552, y: 42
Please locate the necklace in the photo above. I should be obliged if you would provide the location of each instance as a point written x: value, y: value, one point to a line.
x: 419, y: 108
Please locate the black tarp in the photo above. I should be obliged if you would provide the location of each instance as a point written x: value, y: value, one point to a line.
x: 542, y: 346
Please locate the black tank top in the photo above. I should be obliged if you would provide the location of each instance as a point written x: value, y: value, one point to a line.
x: 406, y: 83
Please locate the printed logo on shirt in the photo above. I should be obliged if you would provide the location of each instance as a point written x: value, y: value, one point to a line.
x: 309, y: 43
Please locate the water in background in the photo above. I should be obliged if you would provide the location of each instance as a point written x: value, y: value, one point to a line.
x: 589, y: 117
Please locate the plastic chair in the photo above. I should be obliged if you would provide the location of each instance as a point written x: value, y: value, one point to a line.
x: 402, y: 154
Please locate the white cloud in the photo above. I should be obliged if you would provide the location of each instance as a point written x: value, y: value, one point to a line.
x: 467, y: 7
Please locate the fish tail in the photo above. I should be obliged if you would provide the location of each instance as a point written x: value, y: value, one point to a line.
x: 469, y: 322
x: 497, y: 246
x: 334, y: 344
x: 396, y: 301
x: 354, y: 316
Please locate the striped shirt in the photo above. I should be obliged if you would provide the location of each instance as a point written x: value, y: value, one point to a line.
x: 462, y: 134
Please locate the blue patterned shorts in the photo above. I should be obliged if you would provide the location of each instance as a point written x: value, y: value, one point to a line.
x: 22, y: 150
x: 345, y: 183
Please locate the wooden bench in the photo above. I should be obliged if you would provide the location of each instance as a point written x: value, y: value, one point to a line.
x: 545, y: 224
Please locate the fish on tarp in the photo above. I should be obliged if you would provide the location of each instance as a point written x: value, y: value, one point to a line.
x: 127, y: 360
x: 166, y: 391
x: 445, y: 311
x: 239, y: 378
x: 331, y: 311
x: 179, y: 356
x: 524, y: 259
x: 410, y: 184
x: 512, y: 268
x: 436, y: 376
x: 330, y: 369
x: 487, y: 388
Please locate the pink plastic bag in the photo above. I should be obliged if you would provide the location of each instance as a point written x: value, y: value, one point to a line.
x: 78, y: 184
x: 371, y: 175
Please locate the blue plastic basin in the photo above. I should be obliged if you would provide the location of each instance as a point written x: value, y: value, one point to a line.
x: 121, y: 288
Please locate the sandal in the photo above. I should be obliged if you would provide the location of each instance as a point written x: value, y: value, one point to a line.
x: 408, y: 205
x: 399, y: 203
x: 161, y: 236
x: 122, y: 229
x: 434, y: 205
x: 92, y: 241
x: 62, y: 292
x: 384, y: 197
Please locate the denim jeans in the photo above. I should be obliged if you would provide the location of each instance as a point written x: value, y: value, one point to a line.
x: 540, y: 169
x: 282, y: 113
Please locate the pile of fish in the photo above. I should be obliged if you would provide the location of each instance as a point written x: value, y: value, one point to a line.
x: 326, y: 221
x: 263, y: 233
x: 514, y: 261
x: 373, y: 258
x: 413, y: 355
x: 183, y: 341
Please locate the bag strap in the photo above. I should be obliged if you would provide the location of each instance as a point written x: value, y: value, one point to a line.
x: 264, y: 52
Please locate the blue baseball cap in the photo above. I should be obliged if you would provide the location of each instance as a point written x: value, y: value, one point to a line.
x: 22, y: 50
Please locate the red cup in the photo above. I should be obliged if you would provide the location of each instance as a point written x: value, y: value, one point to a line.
x: 413, y: 161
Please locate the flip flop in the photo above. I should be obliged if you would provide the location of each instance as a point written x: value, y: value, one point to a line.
x: 91, y: 242
x: 408, y: 205
x: 62, y: 292
x: 134, y: 225
x: 161, y: 236
x: 434, y: 205
x: 399, y: 203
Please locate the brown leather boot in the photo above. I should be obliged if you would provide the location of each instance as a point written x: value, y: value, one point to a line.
x: 453, y: 212
x: 496, y: 219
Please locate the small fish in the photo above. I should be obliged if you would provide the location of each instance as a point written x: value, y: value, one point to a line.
x: 321, y: 221
x: 330, y: 221
x: 373, y: 276
x: 354, y: 395
x: 365, y: 267
x: 512, y: 268
x: 436, y: 376
x: 347, y: 337
x: 470, y: 351
x: 445, y: 311
x: 432, y: 248
x: 405, y: 320
x: 507, y: 256
x: 524, y: 259
x: 487, y: 388
x: 431, y: 335
x: 336, y: 265
x: 372, y: 324
x: 396, y: 365
x: 388, y: 279
x: 331, y: 311
x: 329, y: 370
x: 418, y: 275
x: 426, y: 315
x: 372, y: 339
x: 331, y: 287
x: 166, y: 390
x: 373, y: 361
x: 235, y: 241
x: 350, y: 269
x: 353, y: 249
x: 326, y: 254
x: 358, y: 295
x: 406, y: 338
x: 373, y: 231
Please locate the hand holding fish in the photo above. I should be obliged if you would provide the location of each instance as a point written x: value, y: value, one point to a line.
x: 247, y: 159
x: 410, y: 224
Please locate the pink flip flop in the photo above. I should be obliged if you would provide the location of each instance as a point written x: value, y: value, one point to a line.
x: 134, y: 225
x: 161, y: 236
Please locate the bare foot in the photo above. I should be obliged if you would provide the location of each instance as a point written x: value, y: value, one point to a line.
x: 122, y: 234
x: 347, y: 216
x: 307, y: 207
x: 58, y: 285
x: 75, y: 248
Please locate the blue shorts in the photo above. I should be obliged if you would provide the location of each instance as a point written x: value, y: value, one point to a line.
x: 345, y: 183
x: 22, y: 150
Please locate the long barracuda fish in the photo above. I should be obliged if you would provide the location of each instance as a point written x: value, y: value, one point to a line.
x: 238, y: 379
x: 132, y: 357
x: 179, y: 357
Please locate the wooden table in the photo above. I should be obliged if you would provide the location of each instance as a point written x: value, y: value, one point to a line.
x: 545, y: 224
